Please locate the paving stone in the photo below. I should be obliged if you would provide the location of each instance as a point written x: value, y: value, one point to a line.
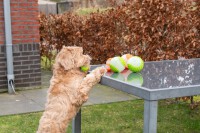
x: 34, y: 100
x: 17, y: 104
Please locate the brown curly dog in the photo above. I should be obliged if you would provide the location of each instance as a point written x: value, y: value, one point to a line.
x: 69, y: 88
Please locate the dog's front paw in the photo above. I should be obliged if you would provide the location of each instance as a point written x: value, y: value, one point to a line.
x: 102, y: 70
x: 99, y: 72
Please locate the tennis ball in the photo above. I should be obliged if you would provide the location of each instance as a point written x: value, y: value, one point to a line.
x: 135, y: 64
x: 118, y: 76
x: 117, y: 64
x: 126, y: 57
x: 85, y: 68
x: 135, y: 79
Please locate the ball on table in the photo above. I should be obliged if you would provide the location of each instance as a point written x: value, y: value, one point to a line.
x: 117, y: 64
x: 85, y: 68
x: 126, y: 57
x: 135, y: 64
x: 135, y: 79
x: 118, y: 76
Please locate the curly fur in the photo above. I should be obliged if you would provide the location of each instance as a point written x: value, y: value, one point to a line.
x: 69, y: 88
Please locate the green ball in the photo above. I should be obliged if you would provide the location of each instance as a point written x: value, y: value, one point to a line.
x: 85, y: 68
x: 117, y: 64
x: 135, y: 79
x: 118, y: 76
x: 135, y: 64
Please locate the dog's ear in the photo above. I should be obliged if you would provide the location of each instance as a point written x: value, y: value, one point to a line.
x: 65, y: 57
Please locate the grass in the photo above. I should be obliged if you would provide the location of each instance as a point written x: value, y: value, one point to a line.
x: 121, y: 117
x: 87, y: 11
x: 46, y: 64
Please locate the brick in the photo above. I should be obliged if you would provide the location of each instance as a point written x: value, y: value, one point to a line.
x: 28, y: 80
x: 14, y: 13
x: 3, y: 82
x: 18, y: 8
x: 35, y: 75
x: 20, y: 67
x: 16, y: 54
x: 17, y: 41
x: 2, y: 64
x: 38, y: 79
x: 2, y: 55
x: 15, y: 48
x: 36, y: 53
x: 34, y: 24
x: 29, y: 47
x: 3, y: 68
x: 14, y: 5
x: 37, y: 70
x: 35, y: 66
x: 2, y: 49
x: 34, y: 57
x: 35, y: 84
x: 3, y: 77
x: 17, y: 63
x: 3, y: 73
x: 25, y: 4
x: 17, y: 72
x: 27, y: 71
x: 2, y: 59
x: 25, y: 47
x: 2, y: 42
x: 20, y: 58
x: 19, y: 27
x: 22, y: 85
x: 21, y: 18
x: 20, y: 47
x: 19, y: 1
x: 3, y: 86
x: 32, y: 1
x: 37, y: 61
x: 18, y: 81
x: 27, y: 62
x: 22, y: 76
x: 26, y: 53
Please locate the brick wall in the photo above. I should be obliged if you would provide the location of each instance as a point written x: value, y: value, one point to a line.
x: 1, y: 23
x: 25, y: 22
x: 25, y: 35
x: 26, y: 66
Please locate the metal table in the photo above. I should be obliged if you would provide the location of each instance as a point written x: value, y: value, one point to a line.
x: 158, y: 80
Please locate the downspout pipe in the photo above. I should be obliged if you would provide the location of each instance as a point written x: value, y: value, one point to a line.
x: 9, y: 47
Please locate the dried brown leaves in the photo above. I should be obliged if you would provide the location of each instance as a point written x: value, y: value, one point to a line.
x: 152, y: 29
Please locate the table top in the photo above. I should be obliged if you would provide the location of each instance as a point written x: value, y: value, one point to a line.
x: 162, y: 74
x: 159, y: 79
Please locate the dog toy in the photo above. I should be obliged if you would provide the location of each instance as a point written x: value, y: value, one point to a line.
x: 135, y: 64
x: 135, y: 79
x: 85, y: 68
x: 117, y: 64
x: 126, y: 57
x: 108, y: 64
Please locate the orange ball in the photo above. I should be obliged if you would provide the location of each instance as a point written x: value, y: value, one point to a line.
x: 108, y: 64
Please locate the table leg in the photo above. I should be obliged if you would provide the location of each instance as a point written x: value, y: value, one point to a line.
x: 76, y: 123
x: 150, y: 116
